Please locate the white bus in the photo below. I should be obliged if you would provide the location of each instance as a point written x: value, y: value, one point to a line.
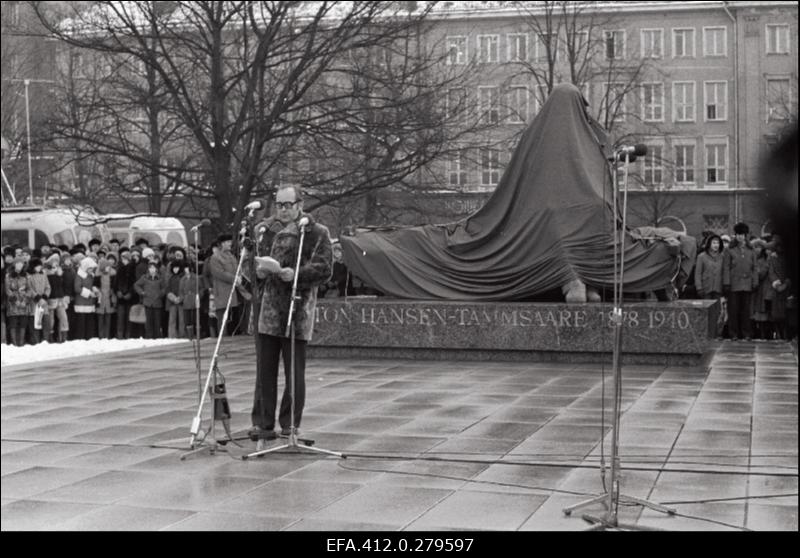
x: 35, y: 226
x: 156, y: 230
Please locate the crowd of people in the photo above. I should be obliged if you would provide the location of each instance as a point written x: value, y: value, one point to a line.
x: 112, y: 291
x: 55, y: 293
x: 748, y: 275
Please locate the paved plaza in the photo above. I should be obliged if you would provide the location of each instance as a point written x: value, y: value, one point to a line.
x: 94, y: 443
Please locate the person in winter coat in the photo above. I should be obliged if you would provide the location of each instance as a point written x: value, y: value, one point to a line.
x: 39, y: 290
x: 222, y: 267
x: 270, y: 315
x: 18, y: 300
x: 739, y: 279
x: 124, y: 291
x: 761, y: 301
x: 151, y: 288
x: 86, y: 294
x: 174, y: 302
x: 781, y: 285
x: 105, y: 281
x: 59, y: 300
x: 187, y: 292
x: 708, y: 270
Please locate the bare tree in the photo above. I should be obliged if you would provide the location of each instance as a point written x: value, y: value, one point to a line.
x: 237, y: 76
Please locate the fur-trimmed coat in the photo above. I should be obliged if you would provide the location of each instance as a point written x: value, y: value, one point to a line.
x: 316, y: 267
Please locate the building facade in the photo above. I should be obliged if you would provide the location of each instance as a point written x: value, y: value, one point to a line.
x: 707, y: 86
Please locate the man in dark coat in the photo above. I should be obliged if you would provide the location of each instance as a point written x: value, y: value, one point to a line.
x: 278, y: 237
x: 739, y: 279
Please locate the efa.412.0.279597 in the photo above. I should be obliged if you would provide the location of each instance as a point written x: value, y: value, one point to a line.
x: 399, y: 544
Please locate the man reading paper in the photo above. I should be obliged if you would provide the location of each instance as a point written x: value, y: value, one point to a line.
x: 275, y: 259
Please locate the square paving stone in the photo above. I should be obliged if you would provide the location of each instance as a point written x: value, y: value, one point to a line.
x: 33, y: 515
x: 219, y: 521
x: 468, y: 510
x: 289, y: 498
x: 35, y: 480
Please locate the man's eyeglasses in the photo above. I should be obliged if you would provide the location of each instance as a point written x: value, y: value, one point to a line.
x: 286, y: 205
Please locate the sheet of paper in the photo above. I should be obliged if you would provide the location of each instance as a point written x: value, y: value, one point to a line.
x: 268, y: 264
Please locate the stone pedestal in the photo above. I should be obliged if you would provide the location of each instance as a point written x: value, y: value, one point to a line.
x: 676, y: 333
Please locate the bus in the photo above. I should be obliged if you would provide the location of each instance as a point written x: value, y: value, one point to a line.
x: 34, y: 226
x: 156, y: 230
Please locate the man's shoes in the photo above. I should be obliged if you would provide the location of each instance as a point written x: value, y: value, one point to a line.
x: 257, y: 433
x: 285, y: 432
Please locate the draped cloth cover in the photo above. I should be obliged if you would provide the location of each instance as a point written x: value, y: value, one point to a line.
x: 550, y: 221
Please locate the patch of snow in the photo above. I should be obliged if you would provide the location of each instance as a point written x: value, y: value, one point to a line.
x: 12, y: 355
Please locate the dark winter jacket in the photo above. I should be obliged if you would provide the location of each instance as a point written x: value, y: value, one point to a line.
x: 187, y: 289
x: 316, y: 264
x: 56, y: 280
x: 151, y: 290
x: 85, y: 292
x: 126, y: 277
x: 739, y: 268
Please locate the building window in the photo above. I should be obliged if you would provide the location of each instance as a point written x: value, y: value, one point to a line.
x: 715, y: 41
x: 683, y: 101
x: 652, y: 43
x: 684, y: 163
x: 456, y: 50
x: 518, y: 106
x: 578, y: 42
x: 683, y: 43
x: 716, y: 100
x: 653, y: 166
x: 778, y: 38
x: 490, y: 167
x: 517, y: 47
x: 614, y: 103
x: 488, y: 46
x: 779, y: 99
x: 716, y: 162
x: 546, y: 47
x: 488, y: 102
x: 455, y: 101
x: 615, y: 45
x: 653, y: 102
x: 457, y: 168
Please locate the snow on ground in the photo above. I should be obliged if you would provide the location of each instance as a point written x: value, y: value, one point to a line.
x: 12, y: 355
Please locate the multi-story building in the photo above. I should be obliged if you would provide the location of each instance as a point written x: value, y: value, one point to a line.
x: 707, y: 86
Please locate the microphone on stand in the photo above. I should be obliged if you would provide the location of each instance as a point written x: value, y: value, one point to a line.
x: 203, y: 223
x: 302, y: 223
x: 253, y: 206
x: 632, y: 151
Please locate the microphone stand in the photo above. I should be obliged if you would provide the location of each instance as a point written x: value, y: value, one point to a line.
x: 612, y: 497
x: 213, y: 446
x: 290, y: 332
x: 197, y: 314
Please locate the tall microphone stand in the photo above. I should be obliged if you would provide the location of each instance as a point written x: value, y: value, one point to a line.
x: 213, y: 445
x: 613, y: 498
x: 196, y: 335
x: 293, y: 439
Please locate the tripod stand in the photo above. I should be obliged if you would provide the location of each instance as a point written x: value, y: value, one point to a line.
x: 612, y: 498
x: 292, y: 441
x: 216, y: 394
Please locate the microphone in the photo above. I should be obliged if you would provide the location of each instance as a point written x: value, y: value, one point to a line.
x: 261, y: 232
x: 303, y: 222
x: 203, y: 223
x: 252, y: 206
x: 632, y: 151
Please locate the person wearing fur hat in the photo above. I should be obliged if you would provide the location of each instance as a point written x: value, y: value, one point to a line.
x: 739, y: 279
x: 18, y: 301
x: 174, y: 302
x: 86, y: 294
x: 39, y: 291
x: 58, y: 301
x: 106, y: 309
x: 152, y: 286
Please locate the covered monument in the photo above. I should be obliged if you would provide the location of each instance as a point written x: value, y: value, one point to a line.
x: 549, y: 224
